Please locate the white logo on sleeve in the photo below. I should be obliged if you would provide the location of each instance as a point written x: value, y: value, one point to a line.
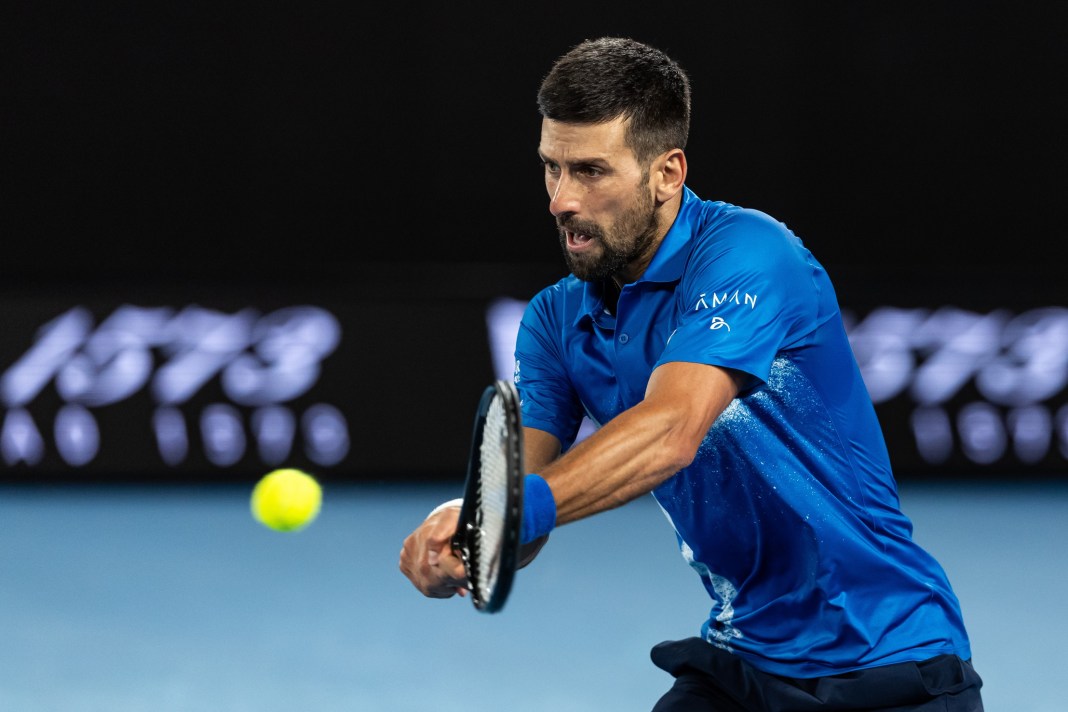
x: 738, y: 297
x: 724, y: 299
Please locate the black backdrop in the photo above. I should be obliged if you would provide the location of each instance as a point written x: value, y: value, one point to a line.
x: 381, y: 159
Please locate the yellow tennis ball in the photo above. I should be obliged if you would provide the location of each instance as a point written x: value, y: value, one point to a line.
x: 286, y: 500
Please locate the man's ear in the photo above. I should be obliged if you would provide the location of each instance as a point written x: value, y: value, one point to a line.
x: 670, y: 174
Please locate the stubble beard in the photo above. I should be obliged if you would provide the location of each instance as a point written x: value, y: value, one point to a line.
x: 624, y: 242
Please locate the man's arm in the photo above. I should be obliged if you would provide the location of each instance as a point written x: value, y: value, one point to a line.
x: 644, y: 445
x: 626, y: 458
x: 540, y: 448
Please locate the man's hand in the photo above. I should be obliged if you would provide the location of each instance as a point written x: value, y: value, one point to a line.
x: 427, y: 558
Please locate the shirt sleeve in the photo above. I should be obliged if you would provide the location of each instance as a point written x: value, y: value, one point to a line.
x: 548, y: 400
x: 749, y: 292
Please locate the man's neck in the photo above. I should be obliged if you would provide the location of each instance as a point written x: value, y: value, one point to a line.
x: 610, y: 289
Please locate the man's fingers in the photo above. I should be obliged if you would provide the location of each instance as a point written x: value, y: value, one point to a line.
x: 453, y: 567
x: 427, y: 558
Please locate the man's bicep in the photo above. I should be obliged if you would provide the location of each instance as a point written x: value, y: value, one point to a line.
x: 698, y: 392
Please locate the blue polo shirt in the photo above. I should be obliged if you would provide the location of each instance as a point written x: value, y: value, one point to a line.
x: 789, y: 513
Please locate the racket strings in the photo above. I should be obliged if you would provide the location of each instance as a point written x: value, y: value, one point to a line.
x: 494, y: 459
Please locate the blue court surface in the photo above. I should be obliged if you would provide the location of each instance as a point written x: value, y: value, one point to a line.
x: 173, y: 598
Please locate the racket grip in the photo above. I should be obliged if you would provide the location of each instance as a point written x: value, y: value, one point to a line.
x: 539, y: 509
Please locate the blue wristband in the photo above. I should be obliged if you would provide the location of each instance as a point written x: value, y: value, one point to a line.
x: 539, y: 509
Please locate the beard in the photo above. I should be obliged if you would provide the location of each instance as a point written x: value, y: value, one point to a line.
x: 622, y: 243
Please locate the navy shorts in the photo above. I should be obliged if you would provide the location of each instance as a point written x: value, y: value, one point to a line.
x: 709, y: 679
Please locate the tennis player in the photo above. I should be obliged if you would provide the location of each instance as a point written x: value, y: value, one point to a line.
x: 706, y: 341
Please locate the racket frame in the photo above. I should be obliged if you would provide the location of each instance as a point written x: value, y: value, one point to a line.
x: 464, y: 542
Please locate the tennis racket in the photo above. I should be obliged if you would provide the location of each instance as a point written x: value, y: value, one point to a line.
x: 487, y: 536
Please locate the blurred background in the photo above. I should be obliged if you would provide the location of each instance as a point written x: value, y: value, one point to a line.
x: 240, y: 236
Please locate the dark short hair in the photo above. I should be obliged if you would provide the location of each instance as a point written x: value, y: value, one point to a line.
x: 603, y: 79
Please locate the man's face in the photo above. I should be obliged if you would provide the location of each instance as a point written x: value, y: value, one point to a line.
x: 601, y: 198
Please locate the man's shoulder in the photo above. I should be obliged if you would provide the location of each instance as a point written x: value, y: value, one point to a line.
x: 742, y: 239
x: 726, y: 220
x: 569, y: 284
x: 567, y: 289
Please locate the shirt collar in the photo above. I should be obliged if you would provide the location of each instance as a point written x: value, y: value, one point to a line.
x: 670, y: 258
x: 667, y: 264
